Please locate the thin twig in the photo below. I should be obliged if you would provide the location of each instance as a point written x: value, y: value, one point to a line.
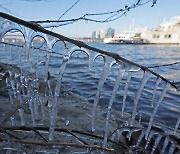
x: 155, y: 66
x: 65, y: 144
x: 12, y: 113
x: 25, y: 128
x: 8, y: 133
x: 116, y: 14
x: 70, y: 132
x: 37, y: 132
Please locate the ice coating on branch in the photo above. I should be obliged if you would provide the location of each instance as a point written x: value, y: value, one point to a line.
x: 53, y: 114
x: 50, y: 42
x: 108, y: 63
x: 177, y: 125
x: 140, y: 138
x: 126, y: 90
x: 166, y: 142
x: 163, y: 93
x: 7, y: 26
x: 157, y: 140
x: 113, y: 95
x: 172, y: 148
x: 143, y: 82
x: 92, y: 57
x: 149, y: 139
x: 32, y: 111
x: 155, y: 89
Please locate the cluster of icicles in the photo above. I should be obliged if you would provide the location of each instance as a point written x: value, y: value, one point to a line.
x: 24, y: 89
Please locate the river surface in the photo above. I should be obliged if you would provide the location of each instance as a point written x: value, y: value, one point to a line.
x: 80, y: 80
x: 83, y: 81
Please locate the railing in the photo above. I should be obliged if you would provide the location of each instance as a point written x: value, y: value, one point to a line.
x: 43, y: 116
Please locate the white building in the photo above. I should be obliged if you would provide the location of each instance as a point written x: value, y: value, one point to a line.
x: 166, y: 33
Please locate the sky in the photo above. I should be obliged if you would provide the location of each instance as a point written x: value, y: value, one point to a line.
x: 144, y: 16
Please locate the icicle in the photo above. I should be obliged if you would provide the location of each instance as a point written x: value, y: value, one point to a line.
x: 125, y: 91
x: 156, y: 107
x: 156, y: 143
x: 149, y: 139
x: 172, y: 148
x: 13, y: 121
x: 35, y: 104
x: 143, y: 82
x: 47, y: 64
x: 56, y: 94
x: 21, y: 116
x: 92, y: 58
x: 9, y: 91
x: 61, y: 72
x: 176, y: 126
x: 107, y: 66
x: 155, y: 89
x: 166, y: 142
x: 119, y: 134
x: 32, y: 111
x: 50, y: 42
x: 140, y: 138
x: 41, y: 100
x: 117, y: 83
x: 28, y: 39
x: 53, y: 119
x: 140, y: 118
x: 130, y: 134
x: 27, y: 49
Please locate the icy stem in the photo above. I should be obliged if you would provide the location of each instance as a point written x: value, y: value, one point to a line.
x: 143, y: 82
x: 140, y: 138
x: 172, y: 148
x: 156, y: 107
x: 177, y: 125
x: 166, y: 142
x: 155, y: 89
x: 117, y: 83
x: 56, y: 94
x: 107, y: 66
x: 158, y: 138
x: 126, y: 90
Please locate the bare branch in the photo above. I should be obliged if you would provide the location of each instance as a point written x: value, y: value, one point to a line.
x: 164, y: 65
x: 113, y: 15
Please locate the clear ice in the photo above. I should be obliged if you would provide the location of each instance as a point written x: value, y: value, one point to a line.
x: 108, y: 63
x: 143, y: 82
x: 163, y: 93
x: 117, y: 83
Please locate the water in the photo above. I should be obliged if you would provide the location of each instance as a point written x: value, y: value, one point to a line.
x: 76, y: 80
x: 82, y: 81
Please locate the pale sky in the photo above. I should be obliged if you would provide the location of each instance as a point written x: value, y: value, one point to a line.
x: 144, y: 16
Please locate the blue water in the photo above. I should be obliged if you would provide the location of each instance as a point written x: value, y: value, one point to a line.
x: 83, y: 81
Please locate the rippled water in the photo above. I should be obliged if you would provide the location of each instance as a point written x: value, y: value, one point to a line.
x: 83, y: 81
x: 79, y: 79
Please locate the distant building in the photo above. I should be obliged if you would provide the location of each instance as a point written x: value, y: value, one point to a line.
x: 167, y: 33
x: 100, y: 34
x: 110, y: 32
x: 94, y: 34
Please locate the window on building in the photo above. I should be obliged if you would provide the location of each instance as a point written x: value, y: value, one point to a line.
x: 156, y: 36
x: 169, y: 36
